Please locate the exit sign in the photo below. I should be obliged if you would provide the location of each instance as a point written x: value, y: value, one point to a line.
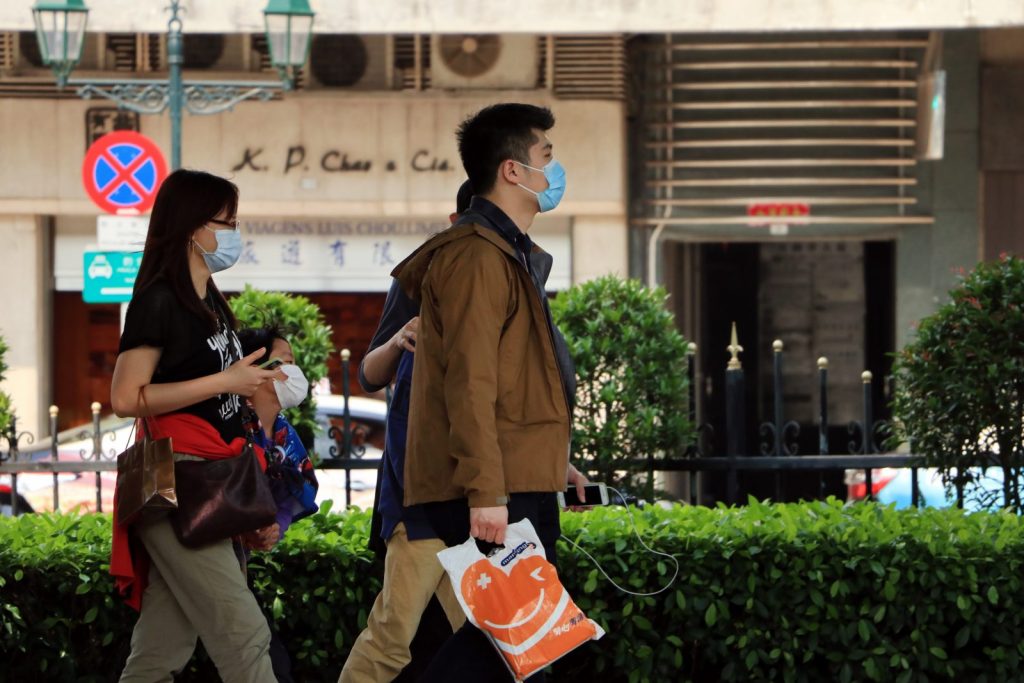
x: 778, y: 209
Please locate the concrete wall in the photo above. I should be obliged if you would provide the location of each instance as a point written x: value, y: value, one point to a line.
x: 579, y: 16
x: 928, y: 257
x: 406, y: 140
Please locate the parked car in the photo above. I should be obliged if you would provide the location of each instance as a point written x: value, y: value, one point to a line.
x: 77, y: 490
x: 891, y: 485
x: 6, y: 503
x: 369, y: 421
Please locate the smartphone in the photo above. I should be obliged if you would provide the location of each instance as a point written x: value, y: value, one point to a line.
x: 594, y: 494
x: 272, y: 364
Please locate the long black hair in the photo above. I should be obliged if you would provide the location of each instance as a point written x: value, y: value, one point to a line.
x: 187, y: 200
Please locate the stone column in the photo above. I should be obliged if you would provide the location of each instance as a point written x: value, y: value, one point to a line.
x: 25, y: 318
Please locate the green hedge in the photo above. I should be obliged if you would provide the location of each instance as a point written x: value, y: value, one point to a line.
x: 798, y: 592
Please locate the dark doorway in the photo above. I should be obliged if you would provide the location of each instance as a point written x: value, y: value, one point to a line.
x: 85, y: 339
x: 729, y: 291
x: 832, y: 299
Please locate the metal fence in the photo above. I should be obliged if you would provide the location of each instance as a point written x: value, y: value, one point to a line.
x: 24, y: 454
x: 778, y: 452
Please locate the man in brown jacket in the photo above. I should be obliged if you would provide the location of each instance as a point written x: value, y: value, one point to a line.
x: 489, y: 418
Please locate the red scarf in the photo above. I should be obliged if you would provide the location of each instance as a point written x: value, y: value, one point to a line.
x: 129, y: 562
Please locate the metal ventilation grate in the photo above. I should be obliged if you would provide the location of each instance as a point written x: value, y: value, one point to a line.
x: 7, y: 54
x: 122, y: 51
x: 412, y: 61
x: 544, y: 43
x: 809, y: 131
x: 151, y: 50
x: 588, y: 67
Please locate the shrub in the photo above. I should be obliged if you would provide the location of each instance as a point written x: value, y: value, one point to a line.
x: 310, y: 336
x: 960, y: 383
x: 794, y: 592
x: 631, y: 396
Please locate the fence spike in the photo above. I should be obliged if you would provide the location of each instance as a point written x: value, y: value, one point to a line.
x: 735, y: 350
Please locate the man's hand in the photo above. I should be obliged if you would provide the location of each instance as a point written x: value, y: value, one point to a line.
x: 579, y: 480
x: 489, y: 524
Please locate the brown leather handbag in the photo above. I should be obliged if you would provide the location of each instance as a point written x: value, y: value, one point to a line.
x: 218, y: 499
x: 145, y: 475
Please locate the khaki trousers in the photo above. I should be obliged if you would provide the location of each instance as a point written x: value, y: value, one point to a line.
x: 196, y: 593
x: 412, y: 573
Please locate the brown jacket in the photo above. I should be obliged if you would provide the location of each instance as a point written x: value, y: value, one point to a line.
x: 488, y: 413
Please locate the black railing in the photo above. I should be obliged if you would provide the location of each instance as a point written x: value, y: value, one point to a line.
x: 779, y: 451
x: 43, y: 455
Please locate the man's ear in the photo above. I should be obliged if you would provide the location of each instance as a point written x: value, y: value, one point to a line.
x: 452, y: 217
x: 510, y: 171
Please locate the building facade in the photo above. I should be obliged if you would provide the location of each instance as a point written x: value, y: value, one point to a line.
x: 339, y: 180
x: 777, y: 169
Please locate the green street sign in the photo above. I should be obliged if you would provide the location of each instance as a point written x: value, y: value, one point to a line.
x: 109, y: 276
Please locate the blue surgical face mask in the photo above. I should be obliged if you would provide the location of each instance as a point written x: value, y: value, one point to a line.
x: 229, y: 249
x: 548, y: 198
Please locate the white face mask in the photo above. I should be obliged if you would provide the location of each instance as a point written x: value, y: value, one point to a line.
x: 293, y: 390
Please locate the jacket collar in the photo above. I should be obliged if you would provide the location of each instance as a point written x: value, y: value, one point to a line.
x: 413, y: 269
x: 498, y: 219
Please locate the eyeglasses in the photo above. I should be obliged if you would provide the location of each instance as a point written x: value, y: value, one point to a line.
x: 233, y: 223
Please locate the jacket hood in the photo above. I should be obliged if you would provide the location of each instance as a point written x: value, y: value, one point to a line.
x: 410, y: 272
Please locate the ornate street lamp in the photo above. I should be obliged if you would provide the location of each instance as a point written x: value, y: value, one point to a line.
x: 60, y: 29
x: 289, y: 29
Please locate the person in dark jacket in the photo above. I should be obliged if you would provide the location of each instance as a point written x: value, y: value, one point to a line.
x: 490, y: 407
x: 408, y: 623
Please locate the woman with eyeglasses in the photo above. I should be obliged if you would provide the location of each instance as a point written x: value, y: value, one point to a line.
x: 180, y: 366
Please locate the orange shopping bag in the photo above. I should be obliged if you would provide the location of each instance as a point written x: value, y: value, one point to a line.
x: 514, y: 596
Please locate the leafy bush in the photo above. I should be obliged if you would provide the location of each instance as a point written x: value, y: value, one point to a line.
x: 631, y: 396
x: 61, y: 618
x: 304, y: 326
x: 960, y: 383
x: 794, y: 592
x: 6, y: 412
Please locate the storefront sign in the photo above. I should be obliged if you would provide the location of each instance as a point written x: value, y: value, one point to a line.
x: 334, y: 160
x: 301, y: 254
x: 351, y: 255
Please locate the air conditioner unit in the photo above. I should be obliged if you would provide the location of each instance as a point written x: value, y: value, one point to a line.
x: 348, y: 61
x: 24, y: 57
x: 484, y: 61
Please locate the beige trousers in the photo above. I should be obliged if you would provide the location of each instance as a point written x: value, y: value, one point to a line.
x: 196, y: 593
x: 412, y: 573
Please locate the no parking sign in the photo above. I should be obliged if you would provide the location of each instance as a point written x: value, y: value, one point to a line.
x: 122, y: 172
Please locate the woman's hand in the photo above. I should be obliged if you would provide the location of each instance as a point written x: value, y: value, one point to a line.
x: 262, y: 539
x: 405, y: 338
x: 244, y: 377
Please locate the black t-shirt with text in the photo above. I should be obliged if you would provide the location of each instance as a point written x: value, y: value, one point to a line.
x: 188, y: 350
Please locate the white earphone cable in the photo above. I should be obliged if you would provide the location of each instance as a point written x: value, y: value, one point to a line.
x: 650, y: 550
